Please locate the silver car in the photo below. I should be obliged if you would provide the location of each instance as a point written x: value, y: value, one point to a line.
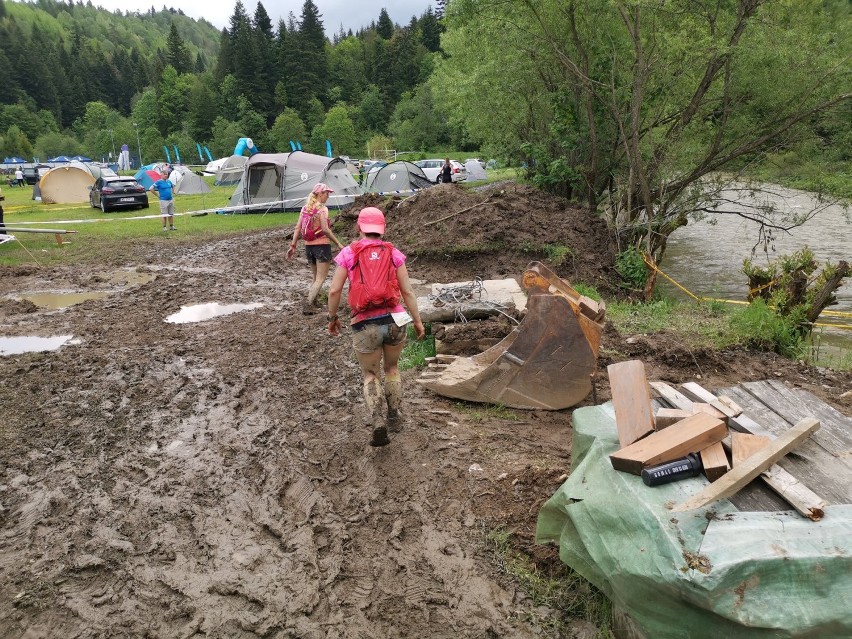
x: 432, y: 169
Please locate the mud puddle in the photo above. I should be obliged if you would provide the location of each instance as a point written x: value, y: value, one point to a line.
x: 55, y: 301
x: 33, y: 344
x: 204, y: 312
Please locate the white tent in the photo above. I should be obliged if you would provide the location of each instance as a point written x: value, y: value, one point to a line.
x: 283, y: 181
x: 475, y: 171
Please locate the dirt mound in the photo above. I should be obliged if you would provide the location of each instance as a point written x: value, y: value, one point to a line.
x: 453, y: 234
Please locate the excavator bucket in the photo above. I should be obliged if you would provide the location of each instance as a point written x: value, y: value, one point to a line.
x: 546, y: 362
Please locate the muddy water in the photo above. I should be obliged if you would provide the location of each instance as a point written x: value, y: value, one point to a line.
x: 55, y: 301
x: 203, y: 312
x: 706, y: 258
x: 32, y: 344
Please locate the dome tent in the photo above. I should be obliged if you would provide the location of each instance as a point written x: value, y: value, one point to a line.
x: 399, y: 176
x: 283, y: 181
x: 68, y: 184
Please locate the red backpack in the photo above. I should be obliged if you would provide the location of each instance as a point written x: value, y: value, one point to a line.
x: 311, y: 225
x: 372, y: 281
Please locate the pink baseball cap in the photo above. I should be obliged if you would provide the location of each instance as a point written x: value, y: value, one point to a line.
x: 322, y: 188
x: 371, y: 220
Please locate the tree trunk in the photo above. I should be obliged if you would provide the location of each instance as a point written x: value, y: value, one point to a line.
x: 825, y: 296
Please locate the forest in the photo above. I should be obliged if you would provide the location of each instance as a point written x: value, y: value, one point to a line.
x: 81, y: 80
x: 632, y: 107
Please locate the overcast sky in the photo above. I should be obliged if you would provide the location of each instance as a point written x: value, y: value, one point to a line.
x: 352, y: 14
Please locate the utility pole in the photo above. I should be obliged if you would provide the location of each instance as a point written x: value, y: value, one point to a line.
x: 111, y: 135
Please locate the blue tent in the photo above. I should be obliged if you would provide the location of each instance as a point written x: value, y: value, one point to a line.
x: 59, y: 158
x: 81, y: 158
x: 14, y: 160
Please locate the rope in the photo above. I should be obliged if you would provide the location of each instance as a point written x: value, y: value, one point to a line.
x: 457, y: 296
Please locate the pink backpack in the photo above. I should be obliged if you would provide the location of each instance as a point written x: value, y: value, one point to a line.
x: 310, y: 224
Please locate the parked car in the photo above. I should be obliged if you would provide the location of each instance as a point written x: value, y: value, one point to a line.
x: 115, y: 191
x: 34, y: 173
x: 432, y: 169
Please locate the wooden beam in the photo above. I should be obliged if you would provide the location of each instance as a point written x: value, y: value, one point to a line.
x: 794, y: 492
x: 672, y: 396
x: 744, y: 445
x: 698, y: 393
x: 631, y: 399
x: 665, y: 417
x: 715, y: 461
x: 751, y: 467
x: 701, y: 407
x: 690, y: 435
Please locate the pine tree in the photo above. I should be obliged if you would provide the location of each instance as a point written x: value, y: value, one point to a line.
x: 430, y: 31
x: 267, y: 73
x: 310, y: 77
x: 384, y: 28
x: 177, y: 54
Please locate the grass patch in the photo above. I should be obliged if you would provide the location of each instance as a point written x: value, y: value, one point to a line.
x: 558, y: 588
x: 415, y: 352
x: 99, y: 234
x: 482, y: 412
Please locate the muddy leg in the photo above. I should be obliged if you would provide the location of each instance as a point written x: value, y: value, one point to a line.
x: 374, y: 395
x: 393, y: 396
x: 320, y: 273
x: 393, y: 380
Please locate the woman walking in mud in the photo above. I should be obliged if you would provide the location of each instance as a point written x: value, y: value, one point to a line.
x: 313, y: 228
x: 377, y: 278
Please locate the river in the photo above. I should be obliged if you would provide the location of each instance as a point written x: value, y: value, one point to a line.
x: 706, y: 258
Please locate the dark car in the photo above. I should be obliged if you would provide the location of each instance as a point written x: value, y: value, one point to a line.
x: 116, y: 191
x: 34, y: 173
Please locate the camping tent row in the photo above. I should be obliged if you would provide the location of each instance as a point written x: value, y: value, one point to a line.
x: 283, y: 181
x: 183, y: 180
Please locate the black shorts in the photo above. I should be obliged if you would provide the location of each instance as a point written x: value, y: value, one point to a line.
x: 318, y: 253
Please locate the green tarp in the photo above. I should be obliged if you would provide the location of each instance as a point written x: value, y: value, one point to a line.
x: 711, y: 572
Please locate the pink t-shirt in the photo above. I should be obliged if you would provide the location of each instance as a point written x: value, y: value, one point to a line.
x: 346, y: 259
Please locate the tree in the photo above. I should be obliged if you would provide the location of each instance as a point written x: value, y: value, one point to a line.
x: 632, y: 105
x: 288, y: 126
x: 415, y: 125
x: 308, y: 80
x: 338, y: 129
x: 177, y: 54
x: 384, y: 27
x: 172, y: 101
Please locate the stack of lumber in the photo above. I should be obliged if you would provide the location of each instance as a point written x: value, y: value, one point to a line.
x: 734, y: 450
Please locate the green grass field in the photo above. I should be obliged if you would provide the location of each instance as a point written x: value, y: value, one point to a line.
x: 98, y: 234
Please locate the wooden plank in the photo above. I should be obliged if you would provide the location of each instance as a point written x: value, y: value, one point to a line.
x: 836, y: 438
x: 751, y: 467
x: 672, y: 396
x: 715, y: 461
x: 701, y: 407
x: 727, y: 402
x: 698, y: 393
x: 665, y: 417
x: 687, y: 436
x: 744, y: 445
x: 631, y: 399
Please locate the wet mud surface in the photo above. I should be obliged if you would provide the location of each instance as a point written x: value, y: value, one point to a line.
x: 215, y: 478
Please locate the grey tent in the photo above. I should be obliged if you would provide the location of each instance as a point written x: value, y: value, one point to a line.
x: 397, y: 177
x: 283, y: 181
x: 186, y: 182
x: 475, y: 171
x: 230, y: 170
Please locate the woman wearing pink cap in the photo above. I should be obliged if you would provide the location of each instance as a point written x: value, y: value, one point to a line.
x: 313, y: 228
x: 378, y: 281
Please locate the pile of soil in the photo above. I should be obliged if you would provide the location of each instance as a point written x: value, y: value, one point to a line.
x: 162, y: 479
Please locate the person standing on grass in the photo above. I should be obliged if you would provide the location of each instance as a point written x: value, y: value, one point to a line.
x: 19, y: 177
x: 163, y: 187
x: 446, y: 175
x: 378, y: 281
x: 313, y: 228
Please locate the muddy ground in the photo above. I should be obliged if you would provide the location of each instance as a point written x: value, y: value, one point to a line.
x: 214, y: 478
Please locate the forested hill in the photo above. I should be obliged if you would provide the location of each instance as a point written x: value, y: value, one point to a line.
x: 63, y: 55
x: 80, y: 79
